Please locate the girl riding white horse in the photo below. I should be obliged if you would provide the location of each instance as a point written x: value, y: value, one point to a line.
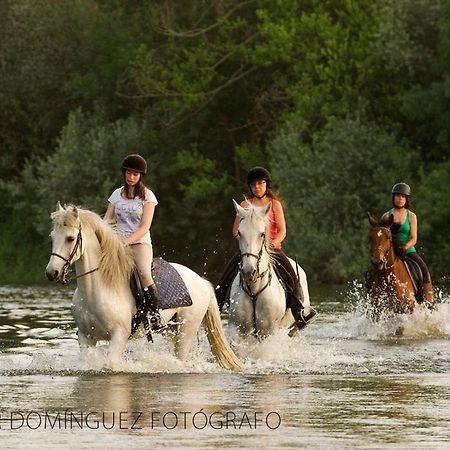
x: 257, y: 298
x: 273, y: 226
x: 103, y: 305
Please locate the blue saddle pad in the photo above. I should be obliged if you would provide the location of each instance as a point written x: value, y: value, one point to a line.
x: 172, y: 291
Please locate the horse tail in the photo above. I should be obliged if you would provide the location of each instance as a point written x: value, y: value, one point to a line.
x: 220, y: 346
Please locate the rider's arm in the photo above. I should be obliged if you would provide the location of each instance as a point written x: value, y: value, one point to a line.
x: 146, y: 221
x: 280, y: 222
x: 413, y: 231
x: 110, y: 213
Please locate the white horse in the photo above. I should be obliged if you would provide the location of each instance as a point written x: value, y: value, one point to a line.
x: 103, y: 305
x: 257, y: 298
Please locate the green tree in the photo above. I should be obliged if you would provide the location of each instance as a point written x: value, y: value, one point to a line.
x: 84, y: 168
x: 204, y: 89
x: 432, y: 204
x: 329, y: 185
x: 412, y: 48
x: 56, y: 57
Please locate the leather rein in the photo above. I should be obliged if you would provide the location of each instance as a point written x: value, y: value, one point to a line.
x: 260, y: 275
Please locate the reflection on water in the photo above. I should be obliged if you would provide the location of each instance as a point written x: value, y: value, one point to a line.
x: 344, y: 383
x: 34, y: 317
x: 319, y: 410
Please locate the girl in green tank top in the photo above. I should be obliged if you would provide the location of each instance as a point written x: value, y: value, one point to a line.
x: 404, y: 234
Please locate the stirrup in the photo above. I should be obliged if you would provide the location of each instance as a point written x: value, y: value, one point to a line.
x: 137, y: 320
x: 307, y: 319
x: 429, y: 305
x: 156, y: 324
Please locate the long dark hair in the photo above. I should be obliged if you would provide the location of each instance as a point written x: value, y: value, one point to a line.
x: 139, y: 189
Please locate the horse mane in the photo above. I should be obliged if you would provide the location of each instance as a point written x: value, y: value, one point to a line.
x: 256, y: 213
x: 116, y: 263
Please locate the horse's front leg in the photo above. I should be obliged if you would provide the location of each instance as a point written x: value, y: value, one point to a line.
x: 406, y: 302
x: 189, y: 321
x: 266, y: 325
x: 117, y: 344
x: 242, y: 314
x: 85, y: 343
x: 376, y: 305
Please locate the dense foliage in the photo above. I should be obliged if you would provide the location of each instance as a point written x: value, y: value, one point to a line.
x: 340, y: 99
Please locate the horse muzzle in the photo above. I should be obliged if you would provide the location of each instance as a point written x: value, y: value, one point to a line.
x: 379, y: 263
x: 55, y: 273
x: 251, y: 277
x: 52, y: 274
x: 250, y: 274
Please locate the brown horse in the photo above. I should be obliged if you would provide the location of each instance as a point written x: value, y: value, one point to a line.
x: 391, y: 289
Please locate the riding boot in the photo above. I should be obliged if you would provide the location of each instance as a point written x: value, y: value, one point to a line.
x: 151, y: 303
x: 223, y: 287
x: 140, y: 317
x: 303, y: 316
x: 428, y: 292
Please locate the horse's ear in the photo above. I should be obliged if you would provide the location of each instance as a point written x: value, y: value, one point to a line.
x: 372, y: 220
x: 59, y: 207
x: 387, y: 221
x: 75, y: 211
x: 239, y: 209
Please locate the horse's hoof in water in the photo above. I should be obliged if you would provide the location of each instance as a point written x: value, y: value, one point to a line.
x: 399, y: 331
x: 112, y: 364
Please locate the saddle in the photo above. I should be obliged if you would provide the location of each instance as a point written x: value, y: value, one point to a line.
x: 172, y: 291
x: 415, y: 272
x: 288, y: 283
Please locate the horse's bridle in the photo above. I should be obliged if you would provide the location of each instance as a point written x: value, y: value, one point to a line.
x: 69, y: 261
x: 384, y: 259
x: 260, y: 275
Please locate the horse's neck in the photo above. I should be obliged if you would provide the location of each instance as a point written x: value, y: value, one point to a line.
x: 391, y: 262
x: 268, y: 286
x: 90, y: 260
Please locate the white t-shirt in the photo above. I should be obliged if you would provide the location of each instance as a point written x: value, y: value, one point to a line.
x: 129, y: 213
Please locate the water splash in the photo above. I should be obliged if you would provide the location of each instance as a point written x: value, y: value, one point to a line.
x: 422, y: 323
x: 38, y: 337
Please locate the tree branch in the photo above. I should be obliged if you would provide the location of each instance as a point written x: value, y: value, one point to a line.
x: 198, y: 31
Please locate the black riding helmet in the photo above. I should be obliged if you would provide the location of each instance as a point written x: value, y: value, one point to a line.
x: 259, y: 173
x: 135, y: 162
x: 401, y: 188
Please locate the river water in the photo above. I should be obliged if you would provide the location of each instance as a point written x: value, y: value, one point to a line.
x: 344, y: 383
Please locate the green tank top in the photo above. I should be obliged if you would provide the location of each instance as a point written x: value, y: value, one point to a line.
x: 403, y: 233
